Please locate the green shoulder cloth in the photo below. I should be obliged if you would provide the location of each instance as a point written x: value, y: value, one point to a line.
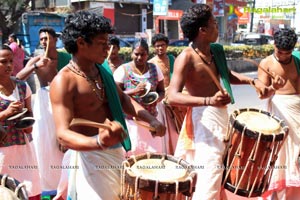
x: 221, y: 64
x: 114, y: 100
x: 171, y: 59
x: 296, y: 55
x: 63, y: 59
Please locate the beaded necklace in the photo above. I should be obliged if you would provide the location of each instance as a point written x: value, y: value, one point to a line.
x: 205, y: 61
x: 97, y: 87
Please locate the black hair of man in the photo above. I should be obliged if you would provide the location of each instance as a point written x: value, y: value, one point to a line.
x: 113, y: 40
x: 195, y: 17
x: 159, y: 37
x: 285, y: 39
x: 83, y: 24
x: 49, y: 30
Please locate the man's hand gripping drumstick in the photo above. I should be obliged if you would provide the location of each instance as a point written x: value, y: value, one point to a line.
x: 277, y: 81
x: 109, y: 133
x: 43, y: 61
x: 155, y: 128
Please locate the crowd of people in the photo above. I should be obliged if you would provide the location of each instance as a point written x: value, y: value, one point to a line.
x: 139, y: 107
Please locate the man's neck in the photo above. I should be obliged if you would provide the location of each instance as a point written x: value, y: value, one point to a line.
x: 162, y: 56
x: 202, y: 47
x: 52, y: 54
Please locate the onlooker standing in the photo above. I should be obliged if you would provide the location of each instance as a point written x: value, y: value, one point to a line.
x: 114, y: 59
x: 18, y: 51
x: 166, y: 115
x: 17, y: 153
x: 284, y: 102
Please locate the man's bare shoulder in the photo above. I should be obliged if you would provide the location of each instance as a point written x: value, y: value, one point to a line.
x: 64, y: 76
x: 266, y: 61
x: 187, y: 55
x: 153, y: 59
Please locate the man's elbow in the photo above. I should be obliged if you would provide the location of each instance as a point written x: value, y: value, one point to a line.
x: 170, y: 99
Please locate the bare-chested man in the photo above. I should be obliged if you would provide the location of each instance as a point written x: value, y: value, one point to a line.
x: 167, y: 114
x: 46, y: 67
x: 285, y: 104
x: 85, y: 89
x: 207, y: 113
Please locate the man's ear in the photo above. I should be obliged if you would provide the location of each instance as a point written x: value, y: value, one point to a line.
x: 80, y: 42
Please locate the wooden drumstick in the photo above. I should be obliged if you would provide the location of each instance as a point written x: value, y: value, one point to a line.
x: 211, y: 74
x: 143, y: 124
x: 260, y: 67
x: 110, y: 51
x: 47, y: 47
x: 85, y: 122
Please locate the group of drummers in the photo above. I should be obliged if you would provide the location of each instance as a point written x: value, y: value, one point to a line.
x: 154, y: 128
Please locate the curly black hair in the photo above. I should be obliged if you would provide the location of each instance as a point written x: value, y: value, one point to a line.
x: 195, y: 17
x: 83, y: 24
x: 159, y: 37
x: 285, y: 39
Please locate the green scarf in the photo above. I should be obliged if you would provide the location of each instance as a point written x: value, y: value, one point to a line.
x: 171, y: 59
x: 221, y: 64
x: 113, y: 100
x: 296, y: 55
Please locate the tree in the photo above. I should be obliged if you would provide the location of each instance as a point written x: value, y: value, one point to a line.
x: 10, y: 13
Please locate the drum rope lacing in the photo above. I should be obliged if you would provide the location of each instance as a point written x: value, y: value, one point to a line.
x: 271, y: 150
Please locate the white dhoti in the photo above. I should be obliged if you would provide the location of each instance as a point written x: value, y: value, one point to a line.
x: 96, y: 175
x: 206, y: 148
x: 286, y: 172
x: 19, y: 162
x: 44, y: 137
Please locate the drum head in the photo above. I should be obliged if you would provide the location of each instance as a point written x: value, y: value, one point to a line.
x: 259, y: 122
x: 158, y: 169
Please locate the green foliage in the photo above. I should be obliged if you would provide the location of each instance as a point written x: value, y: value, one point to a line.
x: 10, y: 13
x: 232, y: 52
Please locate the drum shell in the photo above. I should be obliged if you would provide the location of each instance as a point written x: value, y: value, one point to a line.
x: 251, y: 156
x: 166, y: 190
